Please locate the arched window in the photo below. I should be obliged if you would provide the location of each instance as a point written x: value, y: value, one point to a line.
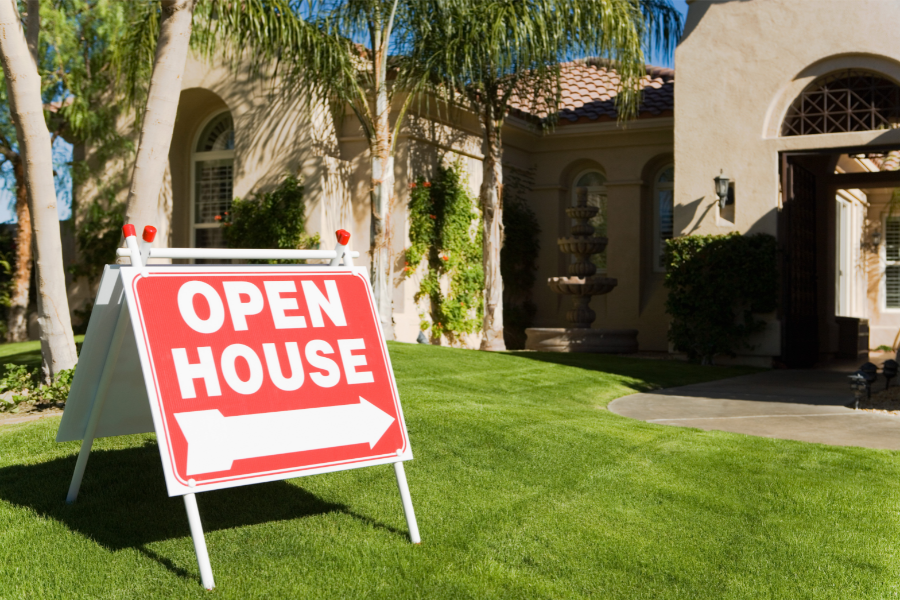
x: 592, y: 186
x: 663, y: 214
x: 847, y: 100
x: 213, y: 169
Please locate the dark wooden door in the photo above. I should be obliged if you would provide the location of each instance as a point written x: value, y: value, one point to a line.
x: 800, y: 310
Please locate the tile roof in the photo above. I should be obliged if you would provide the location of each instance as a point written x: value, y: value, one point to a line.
x: 589, y: 90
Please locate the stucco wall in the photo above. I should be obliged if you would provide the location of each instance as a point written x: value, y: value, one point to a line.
x: 276, y: 135
x: 740, y: 64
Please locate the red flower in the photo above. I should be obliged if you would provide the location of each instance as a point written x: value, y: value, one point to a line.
x: 432, y: 216
x: 412, y: 185
x: 444, y: 256
x: 218, y: 217
x: 427, y: 184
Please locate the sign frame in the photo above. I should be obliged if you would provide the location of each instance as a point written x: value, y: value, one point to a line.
x: 93, y: 413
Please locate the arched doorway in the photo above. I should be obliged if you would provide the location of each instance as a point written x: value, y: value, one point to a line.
x: 818, y: 239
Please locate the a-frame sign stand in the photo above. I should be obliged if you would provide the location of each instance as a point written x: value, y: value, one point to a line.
x: 133, y: 379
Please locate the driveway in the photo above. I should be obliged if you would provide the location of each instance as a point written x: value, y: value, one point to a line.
x: 794, y: 405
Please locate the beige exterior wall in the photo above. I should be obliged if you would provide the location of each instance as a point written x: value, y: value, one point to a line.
x: 275, y: 136
x: 729, y: 107
x: 739, y: 66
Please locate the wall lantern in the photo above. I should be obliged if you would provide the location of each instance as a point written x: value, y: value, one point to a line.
x: 722, y: 189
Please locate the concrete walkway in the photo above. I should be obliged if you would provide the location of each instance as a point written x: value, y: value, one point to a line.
x: 792, y: 405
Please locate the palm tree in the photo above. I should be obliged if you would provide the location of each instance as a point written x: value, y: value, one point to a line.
x: 316, y: 56
x: 378, y: 83
x: 491, y: 53
x: 23, y: 85
x: 158, y: 119
x: 254, y: 33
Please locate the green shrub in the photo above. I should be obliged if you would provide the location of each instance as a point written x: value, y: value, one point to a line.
x: 7, y: 262
x: 58, y: 390
x: 275, y: 219
x: 445, y: 228
x: 24, y: 387
x: 717, y: 284
x: 518, y: 257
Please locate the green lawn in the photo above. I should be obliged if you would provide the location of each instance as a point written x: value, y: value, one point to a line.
x: 524, y: 487
x: 27, y: 353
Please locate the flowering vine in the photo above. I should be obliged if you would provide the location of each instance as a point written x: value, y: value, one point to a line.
x: 445, y: 229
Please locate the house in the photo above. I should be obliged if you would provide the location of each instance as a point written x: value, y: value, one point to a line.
x: 801, y: 120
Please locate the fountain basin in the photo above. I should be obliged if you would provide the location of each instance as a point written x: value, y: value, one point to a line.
x: 582, y: 212
x: 599, y: 341
x: 580, y: 286
x: 582, y: 246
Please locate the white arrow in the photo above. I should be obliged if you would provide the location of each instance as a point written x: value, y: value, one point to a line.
x: 215, y: 441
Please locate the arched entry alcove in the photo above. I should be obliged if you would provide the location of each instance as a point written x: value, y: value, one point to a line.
x: 820, y: 231
x: 203, y: 117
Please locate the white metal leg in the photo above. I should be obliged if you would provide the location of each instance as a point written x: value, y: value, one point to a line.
x: 407, y: 504
x: 99, y: 399
x: 193, y: 513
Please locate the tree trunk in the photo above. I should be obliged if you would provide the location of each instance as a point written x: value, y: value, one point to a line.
x: 26, y: 106
x: 382, y: 188
x: 382, y: 203
x: 492, y: 212
x: 159, y: 117
x: 17, y: 325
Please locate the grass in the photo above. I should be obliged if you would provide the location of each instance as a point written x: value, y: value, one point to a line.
x: 27, y: 353
x: 524, y: 487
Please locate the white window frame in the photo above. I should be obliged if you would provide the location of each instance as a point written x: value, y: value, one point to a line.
x: 882, y: 254
x: 657, y: 225
x: 200, y: 157
x: 573, y: 201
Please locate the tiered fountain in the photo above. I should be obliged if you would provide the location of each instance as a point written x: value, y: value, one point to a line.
x: 582, y: 284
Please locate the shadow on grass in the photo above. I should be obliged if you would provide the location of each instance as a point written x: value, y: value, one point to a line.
x: 123, y: 501
x: 647, y: 374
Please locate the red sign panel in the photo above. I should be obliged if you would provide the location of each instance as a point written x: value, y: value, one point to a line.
x: 264, y: 373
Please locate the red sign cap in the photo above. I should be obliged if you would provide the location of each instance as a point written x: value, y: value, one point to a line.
x: 343, y: 236
x: 128, y: 230
x: 149, y: 233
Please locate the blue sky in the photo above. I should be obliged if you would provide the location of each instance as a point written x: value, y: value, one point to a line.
x: 657, y: 60
x: 62, y: 154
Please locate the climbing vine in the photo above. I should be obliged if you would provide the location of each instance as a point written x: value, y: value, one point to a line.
x: 445, y: 233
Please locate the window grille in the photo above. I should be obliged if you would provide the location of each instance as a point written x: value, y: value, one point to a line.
x: 844, y: 101
x: 215, y: 180
x: 892, y: 262
x: 213, y: 160
x: 664, y: 214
